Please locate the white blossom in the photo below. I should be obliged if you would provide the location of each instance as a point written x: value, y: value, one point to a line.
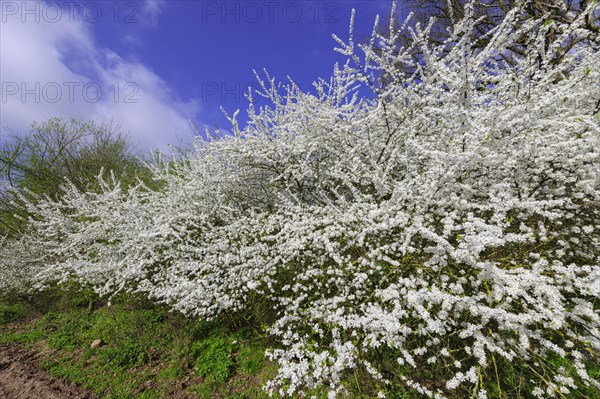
x: 384, y: 222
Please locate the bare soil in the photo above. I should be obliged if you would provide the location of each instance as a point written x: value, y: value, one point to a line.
x: 21, y: 377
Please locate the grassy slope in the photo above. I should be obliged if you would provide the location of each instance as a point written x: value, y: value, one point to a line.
x: 148, y: 352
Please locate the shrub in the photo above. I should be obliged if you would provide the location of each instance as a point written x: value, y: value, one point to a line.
x: 429, y: 234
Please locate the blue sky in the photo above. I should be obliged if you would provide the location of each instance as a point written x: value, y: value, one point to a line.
x: 152, y: 65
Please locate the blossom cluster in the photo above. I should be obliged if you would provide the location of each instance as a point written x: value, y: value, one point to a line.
x: 450, y: 219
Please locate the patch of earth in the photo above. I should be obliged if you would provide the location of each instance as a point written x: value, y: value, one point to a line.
x: 21, y: 377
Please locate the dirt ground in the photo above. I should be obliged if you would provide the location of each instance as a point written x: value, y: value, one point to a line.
x: 22, y: 378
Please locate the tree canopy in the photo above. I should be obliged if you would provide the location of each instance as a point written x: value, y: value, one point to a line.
x: 59, y: 152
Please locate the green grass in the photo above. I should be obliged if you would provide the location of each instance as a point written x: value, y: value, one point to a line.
x: 250, y: 358
x: 146, y: 352
x: 150, y: 353
x: 172, y: 372
x: 214, y: 357
x: 13, y: 312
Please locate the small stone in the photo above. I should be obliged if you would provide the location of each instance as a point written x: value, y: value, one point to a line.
x: 96, y: 344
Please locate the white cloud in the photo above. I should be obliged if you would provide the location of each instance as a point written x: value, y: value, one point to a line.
x: 150, y: 10
x: 58, y: 69
x: 146, y: 15
x: 132, y: 40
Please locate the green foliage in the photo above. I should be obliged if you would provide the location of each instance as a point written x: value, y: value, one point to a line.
x: 128, y: 355
x: 251, y: 358
x: 214, y: 357
x: 12, y: 312
x: 145, y: 350
x: 172, y: 372
x: 71, y: 295
x: 67, y: 337
x: 144, y: 345
x: 25, y: 338
x: 56, y: 152
x: 98, y: 378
